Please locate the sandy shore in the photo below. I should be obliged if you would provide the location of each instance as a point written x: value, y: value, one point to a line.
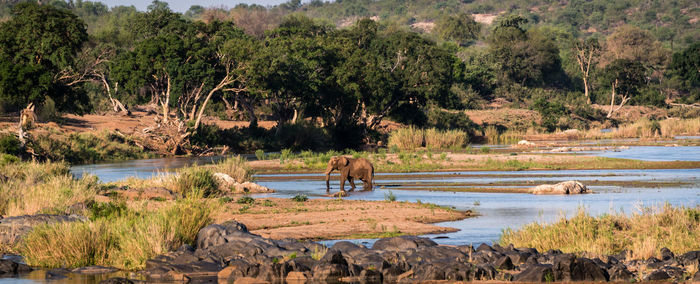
x: 278, y: 218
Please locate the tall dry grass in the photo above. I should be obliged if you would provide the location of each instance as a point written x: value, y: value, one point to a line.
x: 407, y: 138
x: 235, y: 167
x: 493, y: 136
x: 644, y: 233
x: 645, y: 128
x: 125, y: 241
x: 48, y: 187
x: 448, y: 139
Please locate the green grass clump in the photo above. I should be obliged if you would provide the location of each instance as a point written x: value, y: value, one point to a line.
x: 196, y: 182
x: 246, y: 200
x: 125, y: 241
x: 644, y: 233
x: 389, y: 196
x: 300, y: 198
x: 10, y: 144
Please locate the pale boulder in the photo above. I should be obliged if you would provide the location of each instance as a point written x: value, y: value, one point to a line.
x: 567, y: 187
x: 227, y: 184
x: 525, y: 143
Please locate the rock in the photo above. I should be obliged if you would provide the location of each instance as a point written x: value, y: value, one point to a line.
x: 666, y: 254
x: 526, y: 144
x: 216, y: 234
x: 657, y: 275
x: 402, y: 243
x: 296, y: 277
x: 12, y: 229
x: 250, y: 280
x: 484, y: 247
x: 536, y: 273
x: 696, y: 277
x: 57, y: 273
x: 691, y: 258
x: 117, y: 280
x: 371, y: 276
x: 568, y: 267
x: 620, y: 273
x: 238, y: 268
x: 94, y: 269
x: 10, y: 267
x: 567, y: 187
x: 329, y: 272
x: 228, y: 184
x: 504, y: 263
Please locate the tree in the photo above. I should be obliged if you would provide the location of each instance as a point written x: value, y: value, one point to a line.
x: 625, y: 77
x: 460, y: 28
x: 685, y: 67
x: 633, y: 43
x: 35, y: 45
x: 586, y: 52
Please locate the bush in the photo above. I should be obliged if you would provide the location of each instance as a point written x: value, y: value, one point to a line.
x: 235, y: 167
x: 450, y: 139
x: 301, y: 136
x: 406, y: 138
x: 10, y: 144
x: 445, y: 120
x: 550, y: 112
x: 196, y: 182
x: 300, y: 198
x: 245, y: 200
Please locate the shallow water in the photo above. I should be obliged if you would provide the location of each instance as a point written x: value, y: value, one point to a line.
x: 656, y: 153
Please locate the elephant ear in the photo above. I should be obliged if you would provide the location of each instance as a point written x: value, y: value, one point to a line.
x: 344, y: 161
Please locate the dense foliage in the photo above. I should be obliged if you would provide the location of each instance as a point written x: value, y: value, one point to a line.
x: 344, y: 66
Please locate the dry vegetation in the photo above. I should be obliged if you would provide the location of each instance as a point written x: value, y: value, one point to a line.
x: 643, y: 233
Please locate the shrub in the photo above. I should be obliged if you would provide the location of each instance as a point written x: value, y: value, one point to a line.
x: 300, y: 198
x: 406, y: 138
x: 389, y: 196
x: 644, y: 233
x: 195, y: 182
x: 301, y: 136
x: 125, y: 242
x: 246, y: 200
x: 235, y: 167
x: 260, y: 154
x: 9, y: 144
x: 448, y: 139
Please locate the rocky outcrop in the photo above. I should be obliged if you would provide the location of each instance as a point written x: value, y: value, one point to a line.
x: 567, y: 187
x: 229, y: 253
x: 12, y: 229
x: 229, y: 185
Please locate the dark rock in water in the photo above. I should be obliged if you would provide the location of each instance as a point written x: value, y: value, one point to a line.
x: 94, y: 269
x: 9, y: 267
x: 238, y: 268
x: 666, y: 254
x: 536, y: 273
x: 402, y: 243
x: 57, y: 273
x: 12, y: 229
x: 334, y: 257
x: 117, y: 280
x: 657, y: 275
x: 619, y: 272
x: 371, y: 276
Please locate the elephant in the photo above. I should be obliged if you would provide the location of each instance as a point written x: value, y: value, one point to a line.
x: 350, y: 169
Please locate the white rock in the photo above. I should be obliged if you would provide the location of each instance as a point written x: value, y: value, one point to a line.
x: 567, y: 187
x: 230, y: 185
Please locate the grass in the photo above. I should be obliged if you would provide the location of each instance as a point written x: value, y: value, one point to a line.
x: 645, y: 128
x: 644, y: 233
x: 494, y: 136
x: 88, y: 147
x: 123, y: 240
x: 407, y: 138
x: 235, y: 167
x: 300, y: 198
x: 196, y: 182
x: 448, y: 139
x: 34, y: 188
x: 389, y: 196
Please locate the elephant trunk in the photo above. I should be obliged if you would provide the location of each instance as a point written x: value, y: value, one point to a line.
x: 328, y: 178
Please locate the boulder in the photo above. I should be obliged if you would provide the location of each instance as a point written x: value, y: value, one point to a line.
x: 227, y: 184
x: 526, y: 144
x: 567, y: 187
x: 402, y: 243
x: 536, y: 273
x: 568, y: 267
x: 657, y: 275
x: 117, y: 280
x: 10, y: 267
x: 216, y: 234
x: 620, y: 273
x: 94, y: 269
x: 57, y: 274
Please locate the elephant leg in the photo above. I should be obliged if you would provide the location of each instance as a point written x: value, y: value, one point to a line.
x: 342, y: 183
x: 368, y: 184
x: 352, y: 184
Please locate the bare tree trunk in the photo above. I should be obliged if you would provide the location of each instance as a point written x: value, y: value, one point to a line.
x: 585, y: 89
x: 251, y: 113
x: 612, y: 99
x: 166, y: 103
x: 296, y: 115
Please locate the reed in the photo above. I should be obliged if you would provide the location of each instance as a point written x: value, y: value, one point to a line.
x: 449, y: 139
x: 407, y: 138
x: 643, y: 233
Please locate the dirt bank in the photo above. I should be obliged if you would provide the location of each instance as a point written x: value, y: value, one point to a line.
x: 278, y: 218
